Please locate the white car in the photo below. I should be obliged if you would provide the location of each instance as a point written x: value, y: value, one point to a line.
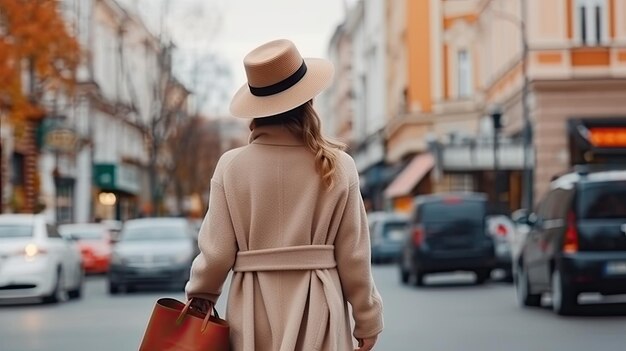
x: 36, y: 262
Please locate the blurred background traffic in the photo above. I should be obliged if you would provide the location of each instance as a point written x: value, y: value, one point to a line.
x: 490, y: 138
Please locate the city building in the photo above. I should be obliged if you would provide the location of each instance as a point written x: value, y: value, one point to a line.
x: 480, y: 95
x: 545, y: 65
x: 366, y: 26
x: 336, y: 107
x: 412, y: 90
x: 125, y: 89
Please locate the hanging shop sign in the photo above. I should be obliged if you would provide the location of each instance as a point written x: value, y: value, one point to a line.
x: 62, y: 140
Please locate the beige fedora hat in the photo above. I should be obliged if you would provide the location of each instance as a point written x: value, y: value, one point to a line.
x: 279, y: 80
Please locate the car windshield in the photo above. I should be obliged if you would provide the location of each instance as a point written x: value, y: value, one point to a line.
x: 149, y: 233
x: 84, y: 233
x: 603, y: 201
x: 15, y: 231
x: 453, y: 211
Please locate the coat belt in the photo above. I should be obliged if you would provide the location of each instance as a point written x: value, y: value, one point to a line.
x: 305, y: 257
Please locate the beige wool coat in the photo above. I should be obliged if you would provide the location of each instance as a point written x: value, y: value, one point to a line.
x: 300, y: 253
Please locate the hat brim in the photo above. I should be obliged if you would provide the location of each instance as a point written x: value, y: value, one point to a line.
x: 319, y: 76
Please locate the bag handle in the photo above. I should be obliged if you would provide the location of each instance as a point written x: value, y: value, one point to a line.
x: 205, y: 323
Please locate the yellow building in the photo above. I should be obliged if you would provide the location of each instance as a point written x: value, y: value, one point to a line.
x: 465, y: 58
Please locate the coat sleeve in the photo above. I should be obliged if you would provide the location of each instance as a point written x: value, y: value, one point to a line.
x: 352, y: 253
x: 218, y: 249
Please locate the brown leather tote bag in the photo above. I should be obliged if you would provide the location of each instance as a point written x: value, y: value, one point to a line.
x: 173, y: 326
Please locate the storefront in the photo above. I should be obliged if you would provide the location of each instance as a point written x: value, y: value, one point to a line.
x: 598, y: 141
x: 117, y: 190
x: 413, y: 180
x: 479, y: 167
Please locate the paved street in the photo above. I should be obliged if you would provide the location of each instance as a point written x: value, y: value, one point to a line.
x: 451, y: 314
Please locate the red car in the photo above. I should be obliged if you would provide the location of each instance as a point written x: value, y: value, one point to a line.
x: 94, y: 241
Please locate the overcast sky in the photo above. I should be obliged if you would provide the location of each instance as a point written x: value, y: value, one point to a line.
x: 225, y: 31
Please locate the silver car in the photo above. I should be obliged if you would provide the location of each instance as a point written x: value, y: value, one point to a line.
x: 388, y: 232
x: 152, y: 251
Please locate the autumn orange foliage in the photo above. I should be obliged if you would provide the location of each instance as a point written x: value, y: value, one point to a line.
x: 34, y: 38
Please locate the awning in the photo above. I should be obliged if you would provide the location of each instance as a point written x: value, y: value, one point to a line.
x: 410, y: 176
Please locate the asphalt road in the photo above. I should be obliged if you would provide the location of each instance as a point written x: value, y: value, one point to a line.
x: 450, y: 314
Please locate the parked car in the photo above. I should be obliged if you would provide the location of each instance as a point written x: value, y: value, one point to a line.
x: 448, y: 233
x: 502, y: 230
x: 154, y: 251
x: 36, y: 261
x: 94, y: 241
x: 577, y: 241
x: 521, y: 230
x: 388, y: 232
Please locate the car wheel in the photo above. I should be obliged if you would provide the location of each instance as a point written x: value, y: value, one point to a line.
x: 419, y: 278
x: 404, y: 274
x: 78, y: 292
x: 564, y: 298
x: 524, y: 296
x: 58, y: 293
x: 482, y: 276
x: 508, y: 276
x: 114, y: 288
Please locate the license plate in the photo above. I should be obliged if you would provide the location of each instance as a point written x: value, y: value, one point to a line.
x: 396, y: 235
x: 615, y: 268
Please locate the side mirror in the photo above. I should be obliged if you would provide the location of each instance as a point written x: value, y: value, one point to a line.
x: 524, y: 217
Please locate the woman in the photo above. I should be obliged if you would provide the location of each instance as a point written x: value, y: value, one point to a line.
x: 286, y: 215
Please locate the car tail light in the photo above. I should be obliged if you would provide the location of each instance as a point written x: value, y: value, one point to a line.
x: 570, y: 245
x: 501, y: 230
x: 418, y: 236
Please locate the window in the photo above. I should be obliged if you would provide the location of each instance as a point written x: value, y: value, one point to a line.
x: 604, y: 200
x: 591, y: 20
x: 52, y: 232
x: 464, y: 74
x: 64, y: 200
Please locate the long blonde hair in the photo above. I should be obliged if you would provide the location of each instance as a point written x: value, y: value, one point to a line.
x: 303, y: 121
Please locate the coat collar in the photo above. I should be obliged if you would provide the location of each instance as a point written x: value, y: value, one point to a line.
x: 274, y: 135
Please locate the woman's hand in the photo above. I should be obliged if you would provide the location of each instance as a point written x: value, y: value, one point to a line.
x: 201, y: 305
x: 367, y: 344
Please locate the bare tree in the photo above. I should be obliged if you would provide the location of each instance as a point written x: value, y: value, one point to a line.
x: 197, y: 146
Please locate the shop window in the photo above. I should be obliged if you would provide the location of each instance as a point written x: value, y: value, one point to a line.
x: 591, y: 20
x: 461, y: 182
x: 64, y: 200
x: 464, y: 74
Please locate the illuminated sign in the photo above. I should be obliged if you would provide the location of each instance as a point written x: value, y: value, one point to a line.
x: 607, y: 137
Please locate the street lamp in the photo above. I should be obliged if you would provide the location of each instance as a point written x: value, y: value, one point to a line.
x: 527, y: 175
x: 496, y: 120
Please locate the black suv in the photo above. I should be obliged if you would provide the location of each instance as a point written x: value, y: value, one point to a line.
x: 447, y: 234
x: 577, y: 241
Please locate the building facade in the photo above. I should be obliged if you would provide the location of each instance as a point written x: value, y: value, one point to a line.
x: 544, y: 65
x: 484, y: 95
x: 125, y: 84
